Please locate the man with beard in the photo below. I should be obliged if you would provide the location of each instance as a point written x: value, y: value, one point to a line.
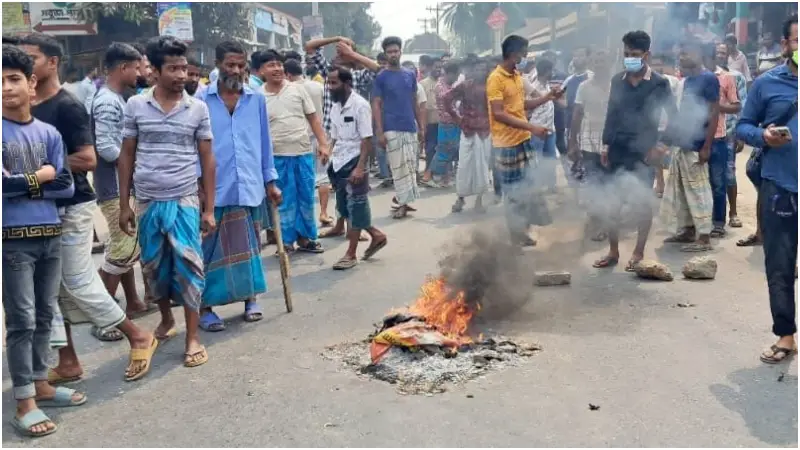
x: 475, y: 146
x: 351, y: 132
x: 83, y: 297
x: 291, y: 114
x: 245, y: 171
x: 165, y: 131
x: 192, y: 76
x: 769, y: 122
x: 398, y: 124
x: 145, y: 78
x: 106, y: 109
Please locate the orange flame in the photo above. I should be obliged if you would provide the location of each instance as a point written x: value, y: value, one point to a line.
x: 445, y: 310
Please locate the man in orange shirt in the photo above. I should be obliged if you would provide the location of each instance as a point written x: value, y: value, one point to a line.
x: 511, y: 134
x: 718, y: 162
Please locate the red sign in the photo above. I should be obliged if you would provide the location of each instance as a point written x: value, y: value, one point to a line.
x: 497, y: 19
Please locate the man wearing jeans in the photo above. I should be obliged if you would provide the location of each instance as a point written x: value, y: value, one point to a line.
x: 772, y: 101
x: 34, y: 175
x: 720, y: 154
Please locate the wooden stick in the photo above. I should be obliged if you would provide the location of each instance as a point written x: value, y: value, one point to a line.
x: 282, y: 256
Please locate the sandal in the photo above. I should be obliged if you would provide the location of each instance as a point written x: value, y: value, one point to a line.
x: 458, y: 206
x: 252, y: 312
x: 718, y: 232
x: 171, y: 333
x: 345, y: 263
x: 396, y: 204
x: 311, y: 247
x: 195, y: 359
x: 32, y: 418
x: 400, y: 213
x: 775, y: 354
x: 107, y: 335
x: 696, y: 247
x: 680, y: 238
x: 55, y: 378
x: 139, y: 355
x: 325, y: 222
x: 735, y: 222
x: 749, y: 241
x: 374, y: 248
x: 605, y: 262
x: 62, y: 399
x: 210, y: 321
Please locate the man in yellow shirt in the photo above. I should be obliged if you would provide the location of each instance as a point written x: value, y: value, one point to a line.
x: 511, y: 134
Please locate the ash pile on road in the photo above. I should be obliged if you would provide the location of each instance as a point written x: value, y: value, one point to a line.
x: 431, y: 371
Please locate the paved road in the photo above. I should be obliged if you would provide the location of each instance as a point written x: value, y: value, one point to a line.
x: 662, y: 375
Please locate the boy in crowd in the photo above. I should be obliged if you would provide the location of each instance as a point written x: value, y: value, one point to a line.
x: 35, y: 173
x: 164, y: 132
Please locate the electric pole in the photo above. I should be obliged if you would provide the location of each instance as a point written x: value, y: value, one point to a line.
x: 424, y: 23
x: 437, y: 11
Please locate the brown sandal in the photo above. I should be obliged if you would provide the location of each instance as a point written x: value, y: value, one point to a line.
x: 775, y: 354
x: 195, y: 359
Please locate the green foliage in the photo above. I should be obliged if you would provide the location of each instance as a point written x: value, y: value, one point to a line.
x: 349, y: 19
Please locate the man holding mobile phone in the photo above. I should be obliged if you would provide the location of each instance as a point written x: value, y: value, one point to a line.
x: 769, y: 121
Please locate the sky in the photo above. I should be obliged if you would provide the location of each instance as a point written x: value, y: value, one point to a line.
x: 400, y: 17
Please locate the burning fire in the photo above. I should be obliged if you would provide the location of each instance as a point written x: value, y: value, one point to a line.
x: 445, y: 310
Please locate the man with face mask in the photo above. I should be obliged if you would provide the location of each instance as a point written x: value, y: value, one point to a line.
x: 769, y: 122
x: 245, y: 171
x: 637, y: 98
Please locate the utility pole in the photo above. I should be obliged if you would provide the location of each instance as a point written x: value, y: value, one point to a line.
x: 437, y: 11
x: 424, y: 23
x: 314, y: 8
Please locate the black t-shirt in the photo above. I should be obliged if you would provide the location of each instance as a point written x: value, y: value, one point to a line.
x: 65, y: 112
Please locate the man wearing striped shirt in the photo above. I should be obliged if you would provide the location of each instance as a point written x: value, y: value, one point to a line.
x: 165, y: 130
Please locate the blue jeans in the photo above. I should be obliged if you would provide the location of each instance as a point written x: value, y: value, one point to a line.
x: 718, y: 174
x: 383, y: 161
x: 779, y: 229
x: 547, y: 149
x: 31, y: 280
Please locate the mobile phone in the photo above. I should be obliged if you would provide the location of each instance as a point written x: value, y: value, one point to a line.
x: 784, y: 132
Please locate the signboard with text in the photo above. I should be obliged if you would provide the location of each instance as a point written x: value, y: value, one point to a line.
x: 59, y: 19
x: 175, y: 19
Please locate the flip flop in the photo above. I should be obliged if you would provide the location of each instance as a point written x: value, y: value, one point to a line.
x: 190, y: 361
x: 211, y: 322
x: 605, y: 262
x: 696, y: 247
x: 631, y: 266
x: 142, y: 354
x: 62, y: 399
x: 327, y: 222
x: 171, y: 333
x: 107, y: 335
x: 32, y: 418
x: 400, y: 213
x: 396, y: 204
x: 735, y: 222
x: 345, y: 263
x: 717, y: 233
x: 55, y: 378
x: 252, y: 312
x: 374, y: 248
x: 770, y: 356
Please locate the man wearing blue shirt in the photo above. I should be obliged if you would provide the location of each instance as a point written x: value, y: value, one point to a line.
x: 245, y: 171
x: 772, y: 102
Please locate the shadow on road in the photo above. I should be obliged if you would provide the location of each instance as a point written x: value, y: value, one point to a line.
x: 768, y: 406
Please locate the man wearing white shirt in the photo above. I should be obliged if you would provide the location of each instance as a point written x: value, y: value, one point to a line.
x: 351, y: 134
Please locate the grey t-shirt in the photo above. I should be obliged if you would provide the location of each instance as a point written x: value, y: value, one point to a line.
x: 166, y: 148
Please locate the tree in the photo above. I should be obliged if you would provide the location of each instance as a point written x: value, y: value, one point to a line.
x: 350, y: 19
x: 211, y: 22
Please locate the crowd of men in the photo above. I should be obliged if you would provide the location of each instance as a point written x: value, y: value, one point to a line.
x: 189, y: 174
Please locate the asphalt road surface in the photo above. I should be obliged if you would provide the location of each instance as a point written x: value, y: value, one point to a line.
x: 662, y: 375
